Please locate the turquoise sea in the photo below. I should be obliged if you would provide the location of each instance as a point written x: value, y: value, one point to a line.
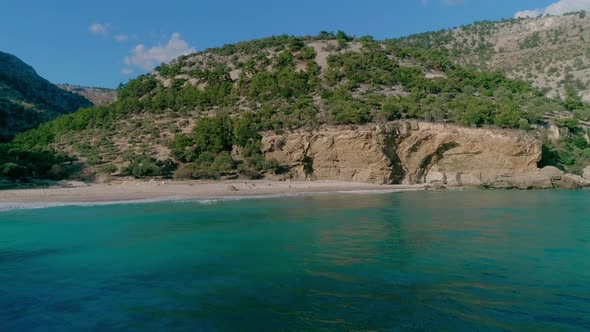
x: 411, y: 261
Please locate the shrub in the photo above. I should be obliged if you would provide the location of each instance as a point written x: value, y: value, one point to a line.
x: 582, y: 114
x: 93, y: 160
x: 249, y: 171
x: 350, y: 112
x: 531, y: 41
x: 143, y: 166
x: 566, y: 157
x: 13, y: 171
x: 108, y: 169
x: 342, y: 38
x: 569, y: 123
x: 205, y: 158
x: 271, y: 165
x: 392, y: 109
x: 307, y: 53
x: 523, y: 124
x: 180, y: 148
x: 184, y: 172
x: 57, y: 172
x: 295, y: 44
x: 203, y: 171
x: 223, y: 163
x: 580, y: 142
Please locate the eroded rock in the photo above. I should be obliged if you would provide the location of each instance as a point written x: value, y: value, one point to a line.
x: 546, y: 178
x: 412, y: 152
x: 458, y: 156
x: 405, y: 152
x: 347, y: 155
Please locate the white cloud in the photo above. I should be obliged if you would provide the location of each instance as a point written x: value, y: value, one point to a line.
x: 99, y: 28
x: 126, y: 71
x: 148, y: 58
x: 557, y: 8
x: 121, y: 38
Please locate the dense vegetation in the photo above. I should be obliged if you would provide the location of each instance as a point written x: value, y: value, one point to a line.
x: 27, y: 100
x: 207, y: 109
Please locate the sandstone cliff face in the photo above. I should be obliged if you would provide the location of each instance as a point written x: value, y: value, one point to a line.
x: 334, y: 154
x: 463, y: 156
x: 405, y: 152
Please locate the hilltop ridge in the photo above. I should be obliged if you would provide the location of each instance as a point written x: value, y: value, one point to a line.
x: 97, y: 96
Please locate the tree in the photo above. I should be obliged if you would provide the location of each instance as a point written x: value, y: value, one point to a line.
x: 245, y: 129
x: 13, y: 171
x: 342, y: 38
x: 213, y: 134
x: 180, y: 148
x: 572, y: 100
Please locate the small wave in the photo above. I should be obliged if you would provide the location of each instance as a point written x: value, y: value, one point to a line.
x: 375, y: 191
x: 45, y: 205
x: 188, y: 199
x: 180, y: 199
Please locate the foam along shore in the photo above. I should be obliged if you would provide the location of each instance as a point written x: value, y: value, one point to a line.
x: 77, y: 192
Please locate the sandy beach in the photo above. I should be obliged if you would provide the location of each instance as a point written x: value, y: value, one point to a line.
x: 77, y: 192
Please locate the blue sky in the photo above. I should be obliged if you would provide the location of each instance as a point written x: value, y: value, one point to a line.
x: 95, y: 43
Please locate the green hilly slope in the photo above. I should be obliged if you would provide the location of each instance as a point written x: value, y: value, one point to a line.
x: 26, y: 99
x: 550, y: 52
x: 200, y: 116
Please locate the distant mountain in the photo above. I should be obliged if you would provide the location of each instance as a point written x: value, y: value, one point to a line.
x: 26, y: 99
x: 98, y: 96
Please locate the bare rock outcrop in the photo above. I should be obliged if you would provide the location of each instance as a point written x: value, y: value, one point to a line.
x: 546, y: 178
x: 334, y: 153
x: 412, y: 152
x: 405, y: 152
x: 458, y: 156
x: 586, y: 173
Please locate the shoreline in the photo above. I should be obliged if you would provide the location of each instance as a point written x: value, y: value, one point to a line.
x: 77, y: 193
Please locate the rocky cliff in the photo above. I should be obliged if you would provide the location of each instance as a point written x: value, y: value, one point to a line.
x: 410, y: 152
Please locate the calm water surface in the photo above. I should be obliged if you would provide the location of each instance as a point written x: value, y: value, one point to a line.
x: 449, y: 261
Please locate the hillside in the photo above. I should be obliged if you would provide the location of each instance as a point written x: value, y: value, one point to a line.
x: 203, y: 115
x: 551, y: 52
x: 26, y: 99
x: 98, y: 96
